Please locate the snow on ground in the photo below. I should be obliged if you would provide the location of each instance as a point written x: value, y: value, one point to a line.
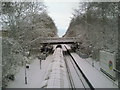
x: 35, y: 75
x: 97, y: 67
x: 95, y: 63
x: 94, y: 75
x: 96, y: 78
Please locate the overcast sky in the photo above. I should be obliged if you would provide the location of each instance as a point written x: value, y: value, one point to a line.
x: 61, y: 11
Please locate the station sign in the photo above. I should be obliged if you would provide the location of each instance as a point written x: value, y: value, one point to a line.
x: 108, y: 63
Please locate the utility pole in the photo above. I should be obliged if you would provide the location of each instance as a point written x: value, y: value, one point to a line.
x: 26, y: 54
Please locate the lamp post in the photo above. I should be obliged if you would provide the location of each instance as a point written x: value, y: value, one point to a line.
x: 92, y: 59
x: 26, y: 54
x: 25, y: 74
x: 40, y: 60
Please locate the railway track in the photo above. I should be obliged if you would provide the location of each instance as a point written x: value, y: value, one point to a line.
x: 63, y: 72
x: 76, y: 77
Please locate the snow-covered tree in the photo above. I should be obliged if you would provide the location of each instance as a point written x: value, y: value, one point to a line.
x: 24, y: 22
x: 96, y: 23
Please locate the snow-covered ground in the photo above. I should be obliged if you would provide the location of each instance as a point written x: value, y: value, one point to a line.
x: 52, y: 75
x: 93, y: 74
x: 35, y: 75
x: 97, y: 67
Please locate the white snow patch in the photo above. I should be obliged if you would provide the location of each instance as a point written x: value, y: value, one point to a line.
x: 96, y: 78
x: 35, y: 75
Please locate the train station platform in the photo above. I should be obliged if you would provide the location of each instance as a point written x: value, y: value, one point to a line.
x: 94, y: 76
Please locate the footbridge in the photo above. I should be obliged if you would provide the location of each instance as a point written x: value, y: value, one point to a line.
x: 56, y: 40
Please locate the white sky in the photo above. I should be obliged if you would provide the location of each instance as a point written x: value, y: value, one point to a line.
x: 61, y: 11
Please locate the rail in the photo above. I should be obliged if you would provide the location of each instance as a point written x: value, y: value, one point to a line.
x: 87, y: 81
